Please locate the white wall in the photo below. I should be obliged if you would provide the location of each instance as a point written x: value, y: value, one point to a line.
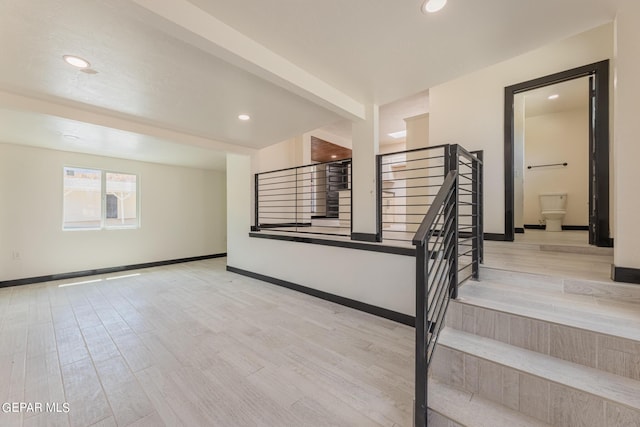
x: 365, y: 138
x: 182, y: 213
x: 417, y: 131
x: 382, y: 280
x: 627, y: 136
x: 392, y: 148
x: 278, y: 156
x: 557, y: 138
x: 470, y: 110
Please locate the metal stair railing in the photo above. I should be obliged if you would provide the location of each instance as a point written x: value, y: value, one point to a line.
x: 448, y: 252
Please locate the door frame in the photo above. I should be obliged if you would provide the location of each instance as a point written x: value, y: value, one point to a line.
x: 598, y: 153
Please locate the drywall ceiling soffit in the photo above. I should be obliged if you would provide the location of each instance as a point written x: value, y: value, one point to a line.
x: 391, y: 118
x: 378, y: 51
x: 41, y: 123
x: 62, y: 134
x: 143, y: 73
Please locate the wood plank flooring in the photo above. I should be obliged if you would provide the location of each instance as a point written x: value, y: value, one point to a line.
x: 567, y: 237
x: 533, y: 252
x: 194, y: 345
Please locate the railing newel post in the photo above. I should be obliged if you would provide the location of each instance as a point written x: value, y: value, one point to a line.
x: 379, y: 217
x: 480, y: 156
x: 475, y: 212
x: 421, y: 383
x: 256, y: 200
x: 454, y: 159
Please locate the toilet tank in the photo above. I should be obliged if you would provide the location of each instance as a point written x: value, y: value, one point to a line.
x: 553, y: 201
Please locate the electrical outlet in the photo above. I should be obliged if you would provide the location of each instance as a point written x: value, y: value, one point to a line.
x: 15, y: 255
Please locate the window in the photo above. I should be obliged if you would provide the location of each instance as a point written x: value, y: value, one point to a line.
x: 121, y: 197
x: 96, y: 199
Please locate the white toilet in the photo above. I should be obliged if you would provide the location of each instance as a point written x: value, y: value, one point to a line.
x: 553, y: 207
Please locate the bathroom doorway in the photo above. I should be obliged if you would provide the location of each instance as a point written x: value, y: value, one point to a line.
x: 567, y: 153
x: 551, y: 161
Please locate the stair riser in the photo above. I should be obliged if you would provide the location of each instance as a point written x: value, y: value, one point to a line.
x: 537, y: 397
x: 615, y: 355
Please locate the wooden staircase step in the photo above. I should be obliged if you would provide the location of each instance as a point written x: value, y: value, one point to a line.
x: 617, y: 319
x: 601, y: 289
x: 555, y: 391
x: 452, y: 407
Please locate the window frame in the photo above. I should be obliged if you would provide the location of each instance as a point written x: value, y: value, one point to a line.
x: 103, y: 200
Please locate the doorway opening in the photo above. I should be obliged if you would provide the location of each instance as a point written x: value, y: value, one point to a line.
x: 583, y: 182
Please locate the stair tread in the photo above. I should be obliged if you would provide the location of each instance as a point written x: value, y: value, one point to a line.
x: 619, y: 320
x: 598, y: 288
x: 608, y: 386
x: 551, y: 246
x: 629, y: 311
x: 506, y: 256
x: 586, y: 300
x: 471, y: 410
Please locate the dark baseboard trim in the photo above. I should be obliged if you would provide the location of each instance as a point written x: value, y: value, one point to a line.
x: 107, y: 270
x: 365, y: 237
x: 564, y: 227
x: 349, y: 244
x: 575, y: 227
x: 496, y: 237
x: 519, y: 230
x: 347, y: 302
x: 625, y: 274
x: 534, y: 227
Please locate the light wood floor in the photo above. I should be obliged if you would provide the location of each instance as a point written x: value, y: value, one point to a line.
x: 194, y: 345
x: 564, y: 254
x: 567, y: 237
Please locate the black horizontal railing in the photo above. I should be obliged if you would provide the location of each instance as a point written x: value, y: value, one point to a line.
x: 435, y: 248
x: 469, y: 205
x: 448, y: 251
x: 407, y: 185
x: 314, y: 199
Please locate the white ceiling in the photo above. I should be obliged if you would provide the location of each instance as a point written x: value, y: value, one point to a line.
x: 293, y: 65
x: 378, y: 51
x: 572, y: 94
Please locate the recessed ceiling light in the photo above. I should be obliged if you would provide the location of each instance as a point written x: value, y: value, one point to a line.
x: 431, y: 6
x: 554, y: 96
x: 399, y: 134
x: 76, y: 61
x: 244, y: 117
x: 333, y: 156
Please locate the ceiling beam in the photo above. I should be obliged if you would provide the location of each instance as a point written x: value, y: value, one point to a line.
x: 91, y: 115
x: 185, y: 21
